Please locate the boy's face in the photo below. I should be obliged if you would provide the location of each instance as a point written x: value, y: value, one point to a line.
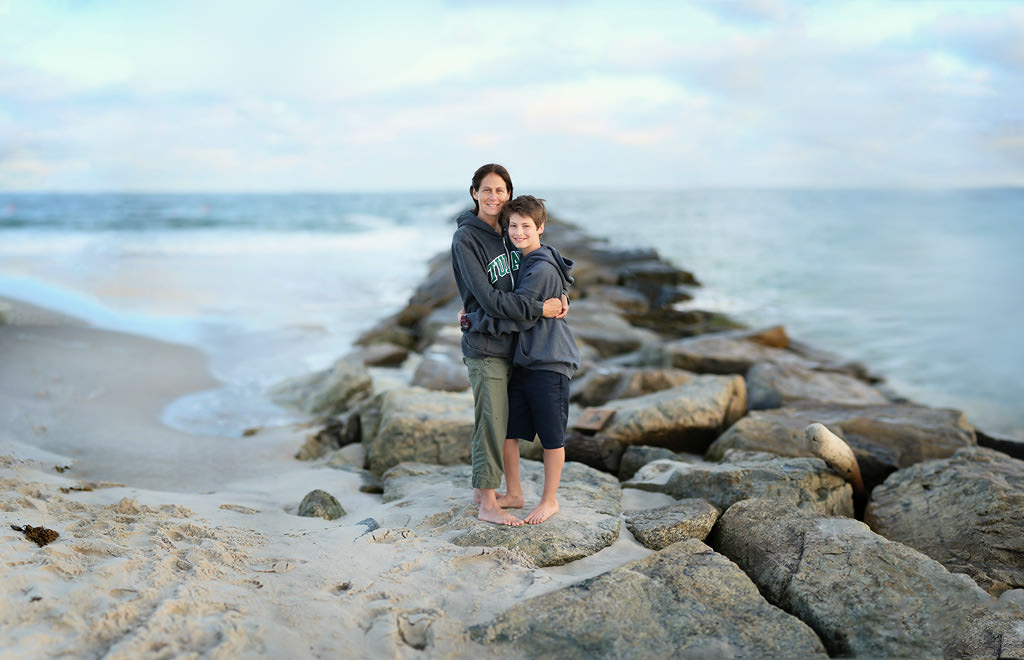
x: 524, y: 232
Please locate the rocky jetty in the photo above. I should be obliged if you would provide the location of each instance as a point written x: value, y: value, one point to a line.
x: 768, y: 550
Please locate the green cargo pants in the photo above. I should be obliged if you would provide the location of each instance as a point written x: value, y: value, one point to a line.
x: 489, y: 379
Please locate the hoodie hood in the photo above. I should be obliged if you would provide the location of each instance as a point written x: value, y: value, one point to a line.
x: 468, y: 219
x: 552, y: 256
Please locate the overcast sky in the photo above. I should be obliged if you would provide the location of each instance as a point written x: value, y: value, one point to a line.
x: 213, y: 95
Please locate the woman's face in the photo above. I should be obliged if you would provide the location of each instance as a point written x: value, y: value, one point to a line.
x: 492, y: 195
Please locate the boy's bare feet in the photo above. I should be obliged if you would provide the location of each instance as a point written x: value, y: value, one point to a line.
x: 543, y: 511
x: 508, y: 501
x: 498, y: 516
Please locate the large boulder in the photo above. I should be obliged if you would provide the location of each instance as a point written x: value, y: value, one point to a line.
x: 601, y: 326
x: 684, y: 418
x: 686, y: 601
x: 966, y: 512
x: 420, y: 425
x: 864, y: 595
x: 328, y: 392
x: 771, y: 385
x: 884, y: 438
x: 606, y: 383
x: 802, y: 482
x: 587, y: 521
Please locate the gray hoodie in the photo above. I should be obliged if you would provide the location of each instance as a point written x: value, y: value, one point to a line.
x: 544, y: 344
x: 485, y: 270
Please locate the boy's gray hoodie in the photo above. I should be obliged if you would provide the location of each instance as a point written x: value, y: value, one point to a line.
x: 544, y: 344
x: 485, y: 271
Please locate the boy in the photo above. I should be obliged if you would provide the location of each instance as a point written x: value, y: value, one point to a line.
x: 545, y: 359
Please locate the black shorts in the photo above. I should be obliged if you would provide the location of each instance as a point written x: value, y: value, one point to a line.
x: 538, y: 405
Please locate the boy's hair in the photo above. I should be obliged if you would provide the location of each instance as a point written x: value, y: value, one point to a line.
x: 527, y: 206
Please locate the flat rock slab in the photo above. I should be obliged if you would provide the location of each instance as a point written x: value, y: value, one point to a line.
x: 659, y: 528
x: 866, y: 596
x: 683, y: 418
x: 728, y: 353
x: 772, y: 385
x: 802, y: 482
x: 686, y: 601
x: 884, y: 438
x: 590, y: 504
x: 966, y: 512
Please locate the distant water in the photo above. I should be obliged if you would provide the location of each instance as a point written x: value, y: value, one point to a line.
x: 920, y: 286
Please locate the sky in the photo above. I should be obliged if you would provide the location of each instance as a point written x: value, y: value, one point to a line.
x: 211, y: 95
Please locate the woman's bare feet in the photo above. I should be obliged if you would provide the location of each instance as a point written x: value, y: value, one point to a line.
x: 498, y: 516
x: 543, y: 511
x: 508, y: 501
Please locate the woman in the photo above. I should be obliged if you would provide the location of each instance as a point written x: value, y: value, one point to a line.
x: 485, y: 268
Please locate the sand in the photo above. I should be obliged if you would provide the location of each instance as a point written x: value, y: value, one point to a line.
x: 173, y: 545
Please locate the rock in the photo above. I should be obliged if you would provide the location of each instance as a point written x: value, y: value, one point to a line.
x: 637, y: 456
x: 806, y: 483
x: 590, y: 503
x: 381, y: 354
x: 596, y: 451
x: 771, y: 385
x: 606, y: 383
x: 389, y: 331
x: 650, y: 277
x: 328, y: 392
x: 599, y: 325
x: 686, y: 601
x: 830, y: 448
x: 659, y: 528
x: 442, y: 369
x: 684, y: 418
x: 421, y: 425
x: 1007, y: 446
x: 626, y: 300
x: 864, y: 595
x: 336, y: 433
x: 884, y: 438
x: 727, y: 353
x: 775, y: 337
x: 320, y: 504
x: 671, y: 323
x: 966, y: 512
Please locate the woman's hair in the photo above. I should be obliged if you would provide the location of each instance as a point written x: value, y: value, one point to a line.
x: 527, y: 206
x: 478, y: 178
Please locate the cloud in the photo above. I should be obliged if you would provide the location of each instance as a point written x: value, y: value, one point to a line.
x: 325, y: 95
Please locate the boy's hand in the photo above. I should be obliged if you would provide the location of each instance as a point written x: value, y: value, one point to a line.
x: 552, y: 308
x: 565, y: 307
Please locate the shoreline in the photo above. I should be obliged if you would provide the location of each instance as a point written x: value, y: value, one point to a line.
x: 193, y: 545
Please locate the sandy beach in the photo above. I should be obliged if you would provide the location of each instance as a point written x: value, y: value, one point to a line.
x: 173, y: 545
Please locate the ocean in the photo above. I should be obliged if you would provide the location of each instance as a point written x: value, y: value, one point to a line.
x: 918, y: 285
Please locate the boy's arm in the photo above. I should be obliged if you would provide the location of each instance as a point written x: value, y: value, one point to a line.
x: 495, y: 303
